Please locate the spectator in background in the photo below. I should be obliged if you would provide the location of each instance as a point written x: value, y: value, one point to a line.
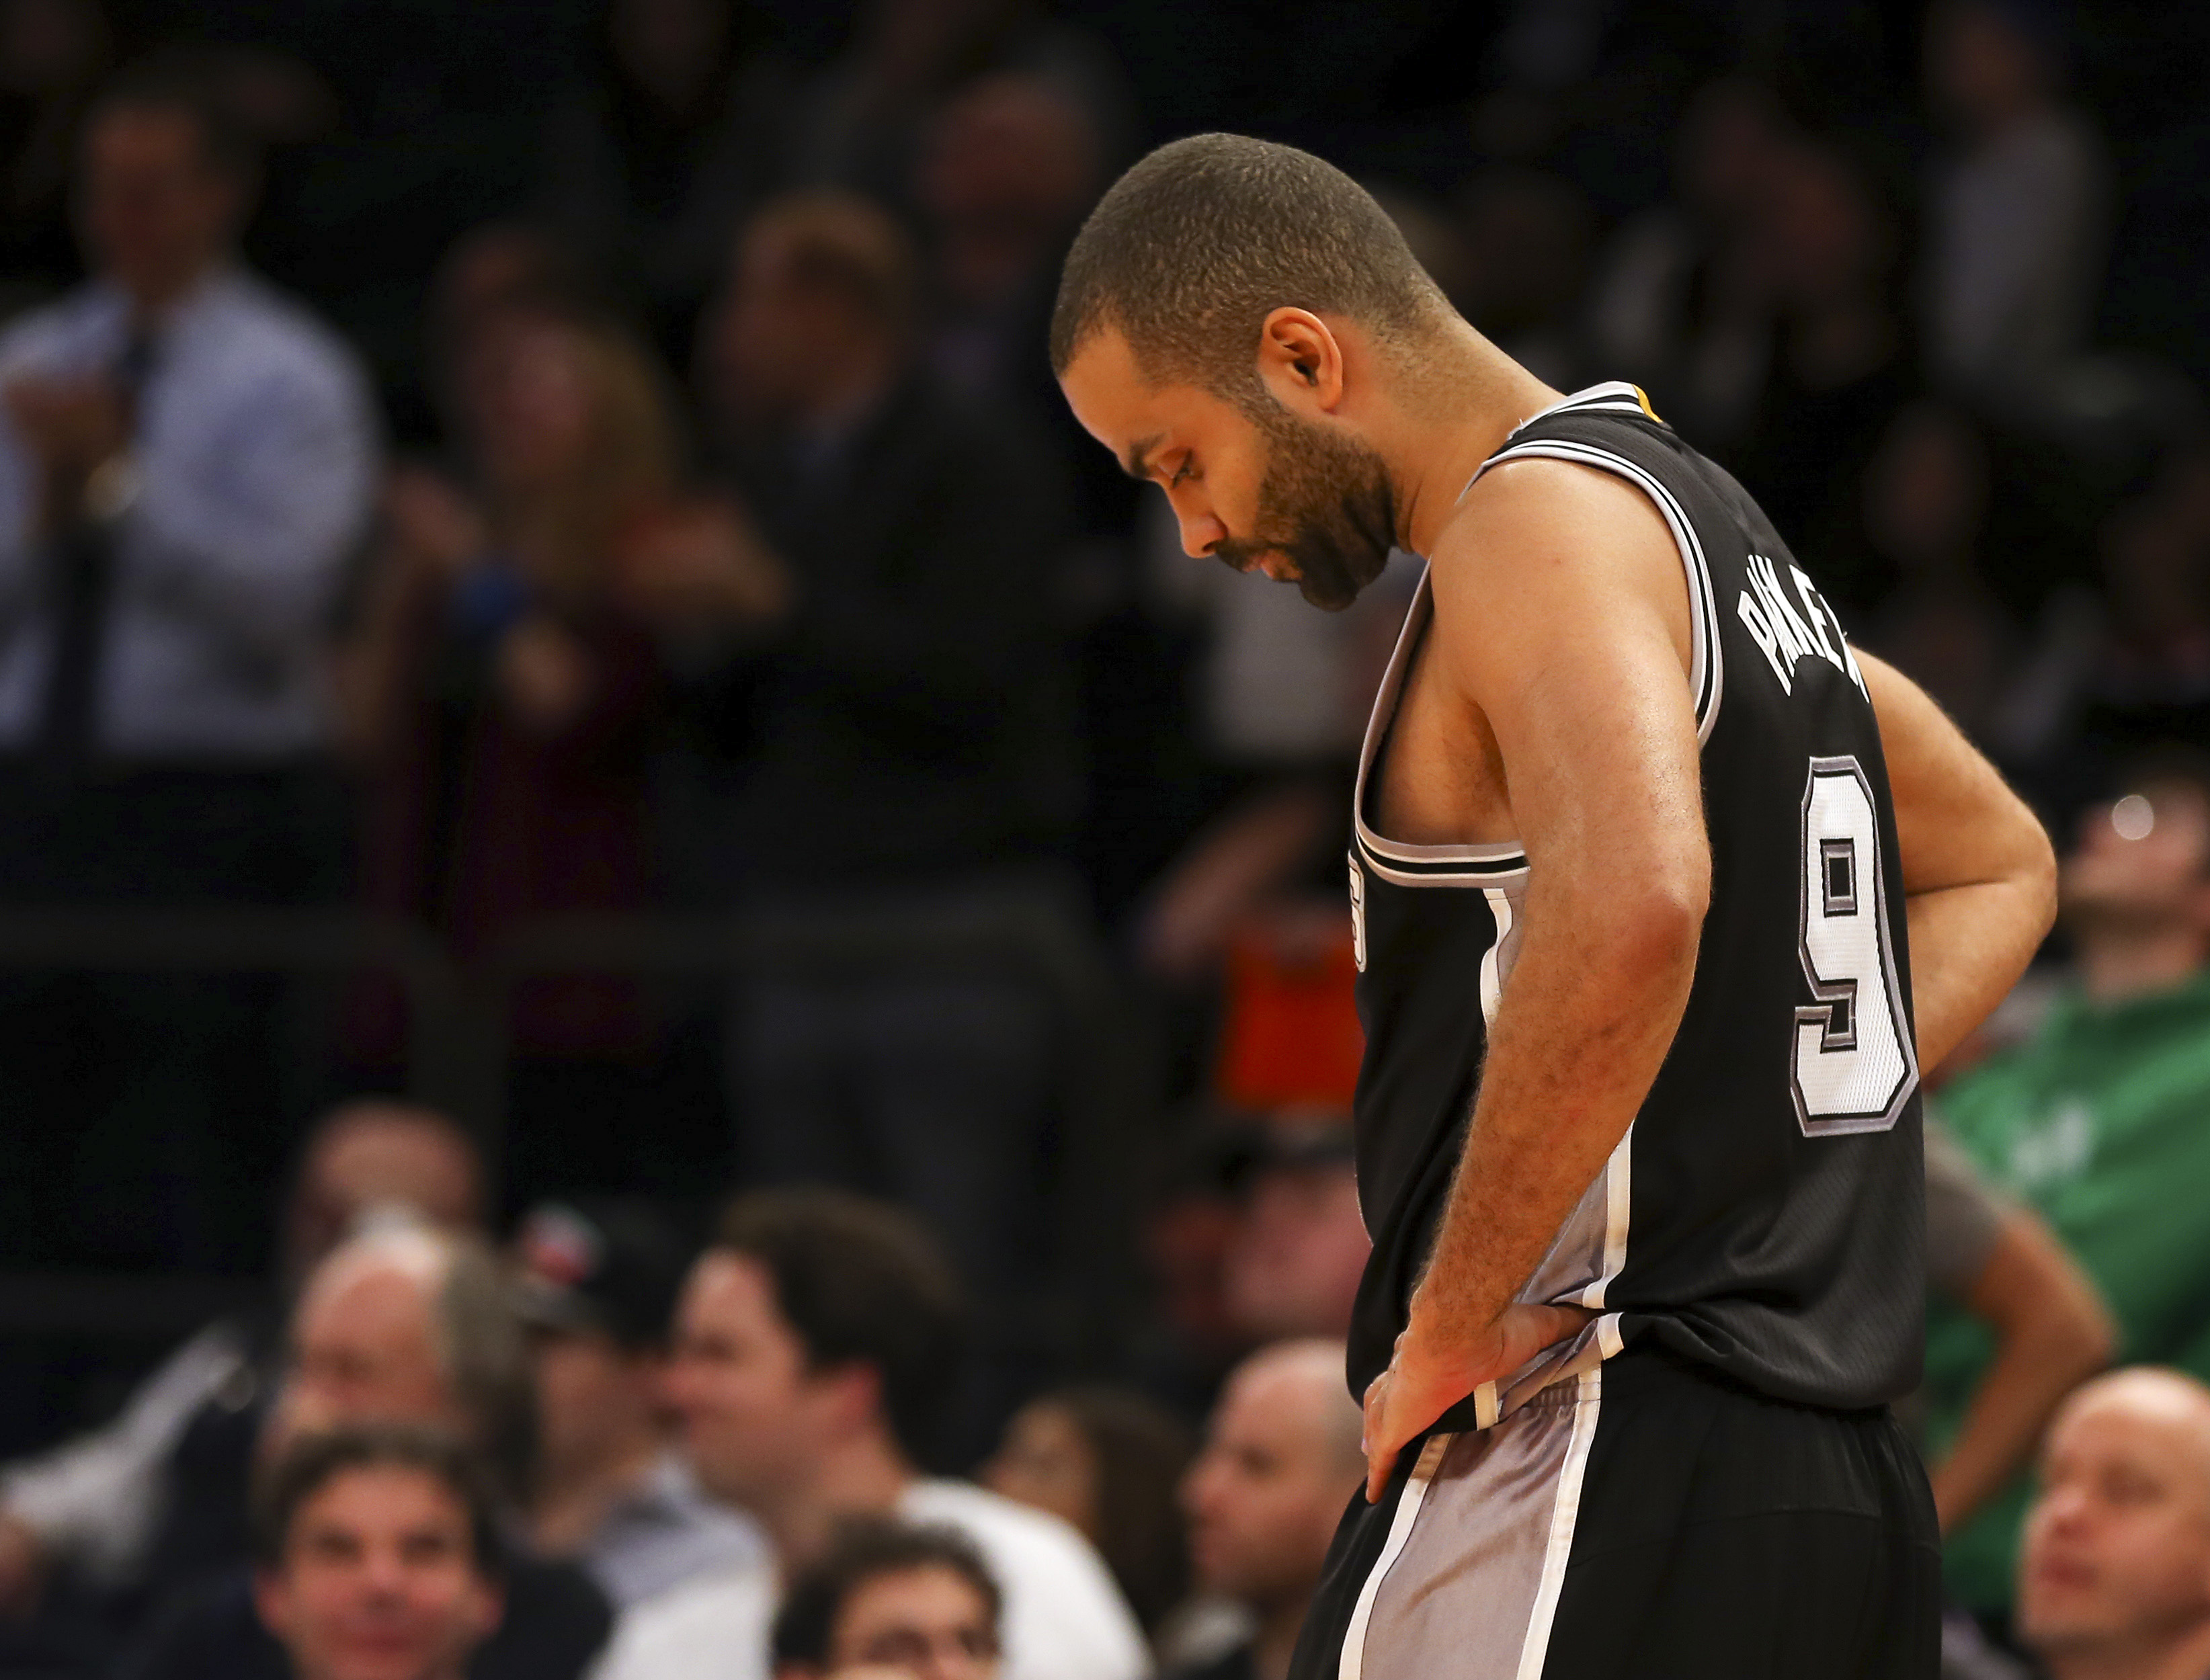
x: 597, y: 1285
x: 1106, y: 1460
x: 915, y: 760
x: 52, y: 55
x: 413, y: 1327
x: 1925, y: 509
x: 379, y: 1555
x: 2113, y: 1580
x: 1829, y: 247
x: 506, y: 680
x: 2093, y: 1121
x: 186, y: 461
x: 1530, y: 233
x: 814, y: 1356
x: 1293, y: 1269
x: 100, y: 1527
x: 1999, y: 1261
x: 860, y: 124
x: 1679, y: 303
x: 676, y: 140
x: 1280, y: 1461
x: 889, y: 1599
x: 2018, y: 207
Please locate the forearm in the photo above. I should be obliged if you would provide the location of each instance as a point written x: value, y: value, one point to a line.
x: 1969, y: 945
x: 1582, y: 1027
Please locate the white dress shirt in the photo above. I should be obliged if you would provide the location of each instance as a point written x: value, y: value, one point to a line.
x: 258, y: 447
x: 1064, y: 1618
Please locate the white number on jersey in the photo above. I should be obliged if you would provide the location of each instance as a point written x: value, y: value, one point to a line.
x: 1855, y: 1060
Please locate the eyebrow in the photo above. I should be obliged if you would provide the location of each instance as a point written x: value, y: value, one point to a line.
x: 1137, y: 463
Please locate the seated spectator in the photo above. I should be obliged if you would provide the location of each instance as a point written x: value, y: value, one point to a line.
x: 96, y: 1529
x: 1107, y: 1460
x: 404, y: 1326
x: 597, y: 1286
x: 1281, y: 1460
x: 1999, y: 1261
x: 675, y: 141
x: 2113, y: 1578
x: 814, y: 1352
x: 2020, y: 207
x: 379, y: 1555
x: 909, y: 757
x: 2095, y: 1120
x: 186, y: 465
x: 889, y: 1599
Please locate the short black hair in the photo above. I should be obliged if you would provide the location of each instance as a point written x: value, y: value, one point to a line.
x: 862, y: 1551
x: 861, y: 1282
x: 1190, y: 250
x: 183, y: 86
x: 312, y: 1463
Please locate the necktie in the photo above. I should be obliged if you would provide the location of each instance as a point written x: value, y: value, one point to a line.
x: 84, y: 570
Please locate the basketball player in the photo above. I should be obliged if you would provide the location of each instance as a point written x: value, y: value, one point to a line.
x: 1662, y: 895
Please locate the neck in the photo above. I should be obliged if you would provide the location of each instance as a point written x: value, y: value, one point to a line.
x: 1469, y: 398
x: 1277, y: 1642
x: 2183, y: 1656
x: 155, y: 297
x: 2117, y: 964
x: 865, y: 1476
x: 577, y: 1492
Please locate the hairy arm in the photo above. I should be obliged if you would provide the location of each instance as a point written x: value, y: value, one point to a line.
x: 1563, y: 624
x: 1978, y: 876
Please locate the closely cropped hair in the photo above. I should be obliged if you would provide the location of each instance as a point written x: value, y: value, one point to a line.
x: 314, y: 1461
x: 838, y: 242
x: 861, y: 1282
x: 1190, y: 250
x: 865, y: 1551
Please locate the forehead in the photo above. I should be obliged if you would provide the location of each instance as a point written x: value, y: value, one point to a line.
x: 925, y: 1592
x: 381, y: 1496
x: 138, y: 133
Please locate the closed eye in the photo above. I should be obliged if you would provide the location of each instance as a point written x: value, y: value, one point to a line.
x: 1179, y: 474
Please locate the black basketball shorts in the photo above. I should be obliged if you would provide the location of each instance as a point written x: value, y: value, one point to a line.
x: 1650, y: 1520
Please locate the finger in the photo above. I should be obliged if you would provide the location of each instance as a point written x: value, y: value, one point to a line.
x: 1379, y: 1461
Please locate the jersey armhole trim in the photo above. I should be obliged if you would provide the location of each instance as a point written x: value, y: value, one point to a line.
x: 1707, y: 661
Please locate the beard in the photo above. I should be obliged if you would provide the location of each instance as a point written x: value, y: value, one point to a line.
x: 1325, y: 502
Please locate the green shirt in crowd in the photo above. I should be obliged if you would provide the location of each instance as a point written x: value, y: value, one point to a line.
x: 2102, y: 1121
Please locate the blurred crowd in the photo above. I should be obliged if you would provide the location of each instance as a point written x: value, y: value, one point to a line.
x: 524, y: 467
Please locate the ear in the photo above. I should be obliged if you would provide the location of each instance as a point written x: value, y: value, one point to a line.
x: 1301, y: 361
x: 852, y: 1397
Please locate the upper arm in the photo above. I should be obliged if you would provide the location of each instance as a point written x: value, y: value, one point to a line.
x: 1562, y: 615
x: 1956, y: 822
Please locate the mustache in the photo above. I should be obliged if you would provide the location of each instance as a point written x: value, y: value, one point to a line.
x: 1336, y: 554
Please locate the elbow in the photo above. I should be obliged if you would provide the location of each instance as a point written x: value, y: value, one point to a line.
x: 1650, y: 936
x: 2038, y: 881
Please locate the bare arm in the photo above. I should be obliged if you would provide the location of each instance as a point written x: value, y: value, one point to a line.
x: 1978, y: 876
x: 1580, y: 678
x: 2052, y: 1332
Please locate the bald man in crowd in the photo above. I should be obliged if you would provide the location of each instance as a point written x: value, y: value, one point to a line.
x: 105, y: 1525
x: 411, y: 1326
x: 1266, y: 1494
x: 2114, y: 1576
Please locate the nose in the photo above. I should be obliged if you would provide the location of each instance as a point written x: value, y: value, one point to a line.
x: 1200, y: 531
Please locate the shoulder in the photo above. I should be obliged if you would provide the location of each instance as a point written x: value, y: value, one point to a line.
x: 39, y: 337
x: 1064, y: 1613
x: 996, y: 1524
x: 729, y: 1610
x: 280, y: 336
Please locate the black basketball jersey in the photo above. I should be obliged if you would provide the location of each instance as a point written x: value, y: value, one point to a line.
x: 1766, y: 1212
